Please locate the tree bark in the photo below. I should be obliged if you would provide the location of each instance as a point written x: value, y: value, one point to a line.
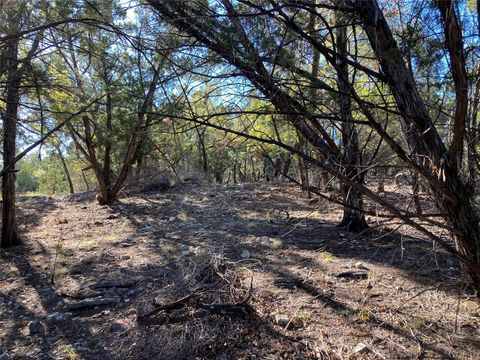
x: 452, y: 195
x: 9, y: 116
x: 353, y: 216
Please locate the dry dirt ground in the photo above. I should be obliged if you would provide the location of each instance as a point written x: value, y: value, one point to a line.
x: 225, y: 272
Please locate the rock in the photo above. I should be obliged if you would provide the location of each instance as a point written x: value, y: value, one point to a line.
x: 125, y: 244
x: 353, y: 275
x: 282, y: 319
x: 265, y: 239
x: 286, y: 282
x: 245, y: 254
x: 126, y: 257
x: 112, y: 216
x: 98, y: 223
x: 4, y: 356
x: 36, y: 328
x: 360, y: 265
x: 361, y: 348
x: 342, y: 235
x: 61, y: 317
x: 171, y: 218
x: 1, y: 300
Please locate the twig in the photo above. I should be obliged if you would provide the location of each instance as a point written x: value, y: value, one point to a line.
x: 171, y: 306
x: 417, y: 294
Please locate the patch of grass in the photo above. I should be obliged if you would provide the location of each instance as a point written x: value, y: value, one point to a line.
x: 328, y: 257
x: 364, y: 315
x: 182, y: 216
x: 71, y: 353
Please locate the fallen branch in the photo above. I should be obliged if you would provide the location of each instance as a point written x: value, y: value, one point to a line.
x: 122, y: 283
x: 90, y: 304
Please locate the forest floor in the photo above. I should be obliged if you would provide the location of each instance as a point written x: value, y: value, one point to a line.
x: 249, y: 271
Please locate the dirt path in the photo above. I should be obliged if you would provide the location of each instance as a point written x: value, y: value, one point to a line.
x: 313, y: 290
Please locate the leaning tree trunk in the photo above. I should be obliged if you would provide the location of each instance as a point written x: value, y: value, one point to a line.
x: 9, y: 116
x: 353, y: 216
x: 443, y: 170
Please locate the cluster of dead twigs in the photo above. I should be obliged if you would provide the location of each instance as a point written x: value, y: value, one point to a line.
x: 213, y: 287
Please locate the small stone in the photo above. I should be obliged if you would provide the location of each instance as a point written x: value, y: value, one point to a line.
x: 1, y: 300
x: 4, y: 356
x: 125, y: 244
x: 98, y: 223
x: 360, y: 265
x: 342, y: 235
x: 282, y: 319
x: 171, y: 218
x: 361, y: 348
x: 245, y: 254
x: 112, y: 216
x: 60, y: 317
x: 126, y: 257
x: 36, y: 328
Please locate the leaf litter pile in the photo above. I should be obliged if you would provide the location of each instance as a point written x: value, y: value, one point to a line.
x: 251, y: 271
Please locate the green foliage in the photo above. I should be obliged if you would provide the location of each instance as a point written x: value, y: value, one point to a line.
x: 28, y: 177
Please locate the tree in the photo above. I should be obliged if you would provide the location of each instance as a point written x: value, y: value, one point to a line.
x: 15, y: 69
x: 238, y: 49
x: 230, y: 34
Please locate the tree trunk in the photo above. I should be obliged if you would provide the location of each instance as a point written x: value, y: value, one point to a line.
x: 65, y: 170
x: 302, y: 166
x: 416, y: 196
x: 442, y: 171
x: 9, y: 116
x: 353, y: 216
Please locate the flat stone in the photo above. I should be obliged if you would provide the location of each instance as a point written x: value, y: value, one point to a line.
x: 36, y: 328
x: 282, y: 319
x: 361, y: 348
x: 245, y: 254
x: 353, y: 275
x: 361, y: 266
